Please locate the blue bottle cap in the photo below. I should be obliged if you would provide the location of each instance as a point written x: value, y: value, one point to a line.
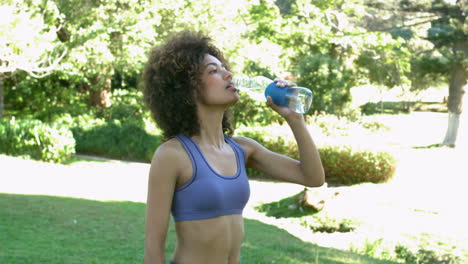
x: 278, y: 94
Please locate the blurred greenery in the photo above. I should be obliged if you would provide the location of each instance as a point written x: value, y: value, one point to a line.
x: 327, y: 46
x: 36, y: 140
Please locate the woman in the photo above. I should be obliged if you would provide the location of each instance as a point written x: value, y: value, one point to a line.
x: 198, y: 174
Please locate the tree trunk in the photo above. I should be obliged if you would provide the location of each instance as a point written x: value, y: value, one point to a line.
x: 452, y: 130
x: 100, y: 92
x: 456, y: 91
x: 2, y: 105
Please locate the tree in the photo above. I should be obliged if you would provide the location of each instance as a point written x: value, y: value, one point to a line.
x: 385, y: 61
x: 446, y: 30
x: 27, y: 43
x: 319, y: 44
x: 104, y: 38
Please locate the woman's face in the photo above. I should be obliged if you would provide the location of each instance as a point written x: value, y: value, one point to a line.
x: 217, y: 83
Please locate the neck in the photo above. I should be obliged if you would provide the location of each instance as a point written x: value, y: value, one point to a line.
x: 211, y: 126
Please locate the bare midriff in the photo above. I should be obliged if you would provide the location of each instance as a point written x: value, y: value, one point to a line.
x: 209, y: 241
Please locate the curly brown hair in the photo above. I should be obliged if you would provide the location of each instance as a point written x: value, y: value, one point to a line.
x: 172, y: 83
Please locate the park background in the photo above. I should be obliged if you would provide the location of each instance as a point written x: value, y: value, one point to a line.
x: 388, y: 79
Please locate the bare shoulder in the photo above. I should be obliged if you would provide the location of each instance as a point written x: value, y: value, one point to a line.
x: 249, y: 145
x: 171, y: 148
x: 169, y: 156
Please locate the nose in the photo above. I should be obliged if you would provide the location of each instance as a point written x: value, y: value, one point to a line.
x: 228, y: 75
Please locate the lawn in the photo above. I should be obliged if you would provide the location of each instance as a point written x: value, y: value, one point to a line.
x: 52, y: 229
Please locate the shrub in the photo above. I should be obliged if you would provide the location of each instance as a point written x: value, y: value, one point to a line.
x: 342, y: 164
x: 425, y: 256
x: 346, y: 165
x: 327, y: 224
x: 127, y: 105
x: 116, y: 140
x: 37, y: 140
x: 276, y: 144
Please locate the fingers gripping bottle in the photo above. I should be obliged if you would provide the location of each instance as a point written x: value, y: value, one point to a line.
x: 298, y: 99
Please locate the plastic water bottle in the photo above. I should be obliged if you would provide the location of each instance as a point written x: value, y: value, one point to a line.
x: 298, y: 99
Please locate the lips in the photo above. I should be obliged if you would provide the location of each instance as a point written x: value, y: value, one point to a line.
x: 231, y: 87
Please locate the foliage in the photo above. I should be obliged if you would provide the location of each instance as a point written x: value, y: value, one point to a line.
x: 348, y: 165
x: 127, y: 106
x: 427, y: 71
x: 372, y: 108
x: 249, y: 112
x: 329, y: 82
x: 290, y: 207
x: 424, y: 256
x: 35, y: 139
x: 317, y: 44
x: 128, y: 141
x: 273, y: 143
x: 386, y: 61
x: 118, y: 131
x: 326, y: 224
x: 378, y: 248
x: 43, y: 98
x: 343, y: 164
x: 27, y: 42
x: 104, y: 38
x: 285, y: 208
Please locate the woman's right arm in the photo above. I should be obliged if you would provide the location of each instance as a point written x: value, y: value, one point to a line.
x: 161, y: 184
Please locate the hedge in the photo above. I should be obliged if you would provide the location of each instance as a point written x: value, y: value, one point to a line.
x: 343, y: 164
x: 36, y: 140
x: 127, y: 141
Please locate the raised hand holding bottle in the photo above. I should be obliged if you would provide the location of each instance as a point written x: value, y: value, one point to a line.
x: 298, y: 99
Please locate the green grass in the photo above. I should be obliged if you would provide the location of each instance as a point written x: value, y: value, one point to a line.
x: 48, y: 229
x: 279, y: 209
x: 316, y: 221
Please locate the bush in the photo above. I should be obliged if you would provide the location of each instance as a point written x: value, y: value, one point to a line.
x: 127, y: 106
x: 371, y: 108
x: 425, y: 256
x: 346, y: 165
x: 37, y: 140
x: 327, y: 224
x: 276, y: 144
x: 118, y: 140
x: 342, y: 164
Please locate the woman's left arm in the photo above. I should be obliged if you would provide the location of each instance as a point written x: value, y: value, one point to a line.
x: 308, y: 170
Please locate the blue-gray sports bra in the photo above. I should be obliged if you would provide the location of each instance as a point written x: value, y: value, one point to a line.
x: 208, y: 194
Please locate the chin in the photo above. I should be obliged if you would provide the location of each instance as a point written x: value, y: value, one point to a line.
x: 233, y: 102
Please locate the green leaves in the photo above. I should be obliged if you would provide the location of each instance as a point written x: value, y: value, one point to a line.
x: 328, y: 80
x: 36, y: 139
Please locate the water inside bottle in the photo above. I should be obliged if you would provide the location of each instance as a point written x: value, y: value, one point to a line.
x: 298, y: 99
